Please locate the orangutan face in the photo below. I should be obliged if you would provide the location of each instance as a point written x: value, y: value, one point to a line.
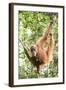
x: 34, y: 51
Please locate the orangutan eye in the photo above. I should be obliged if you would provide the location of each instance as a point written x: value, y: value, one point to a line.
x: 33, y: 49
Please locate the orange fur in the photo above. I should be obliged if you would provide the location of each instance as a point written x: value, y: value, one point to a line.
x: 45, y: 54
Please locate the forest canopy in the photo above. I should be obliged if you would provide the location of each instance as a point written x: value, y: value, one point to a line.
x: 31, y: 26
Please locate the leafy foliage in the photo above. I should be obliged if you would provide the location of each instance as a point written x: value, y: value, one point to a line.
x: 31, y: 27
